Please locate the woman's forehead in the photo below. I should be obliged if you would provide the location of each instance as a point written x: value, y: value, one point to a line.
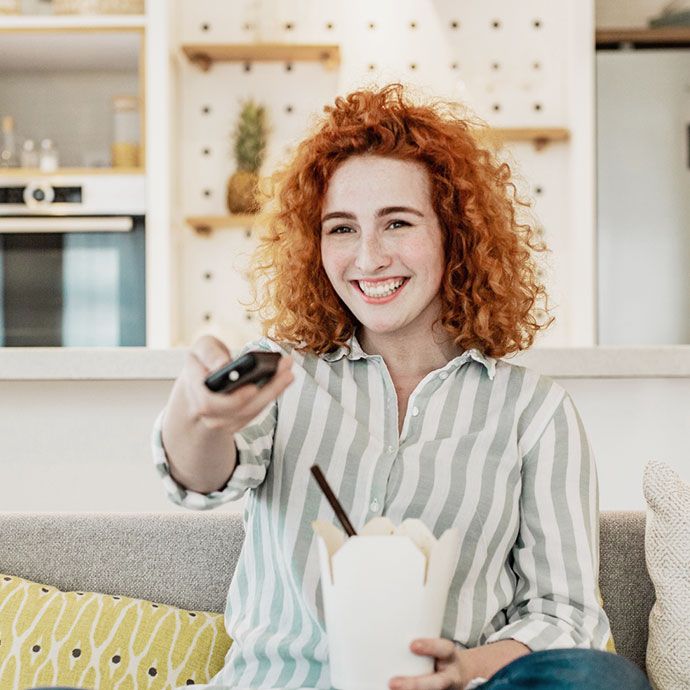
x: 385, y: 181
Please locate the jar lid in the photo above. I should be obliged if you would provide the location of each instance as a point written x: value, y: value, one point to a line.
x: 124, y: 102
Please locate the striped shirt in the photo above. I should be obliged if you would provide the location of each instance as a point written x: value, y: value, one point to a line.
x: 491, y: 448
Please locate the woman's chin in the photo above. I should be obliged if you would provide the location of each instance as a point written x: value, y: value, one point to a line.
x: 380, y: 329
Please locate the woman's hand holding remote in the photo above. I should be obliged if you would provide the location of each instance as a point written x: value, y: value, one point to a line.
x: 198, y: 425
x: 230, y: 410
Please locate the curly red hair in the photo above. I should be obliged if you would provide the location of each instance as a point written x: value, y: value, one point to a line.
x: 490, y: 289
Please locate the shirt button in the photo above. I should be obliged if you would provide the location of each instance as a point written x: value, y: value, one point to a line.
x: 390, y: 449
x: 415, y: 411
x: 374, y: 506
x: 443, y: 375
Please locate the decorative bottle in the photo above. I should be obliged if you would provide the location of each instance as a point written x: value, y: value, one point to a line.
x: 8, y: 144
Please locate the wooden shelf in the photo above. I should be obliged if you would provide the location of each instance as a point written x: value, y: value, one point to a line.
x: 204, y: 55
x: 35, y: 172
x: 643, y: 38
x: 72, y: 22
x: 541, y: 136
x: 205, y: 224
x: 74, y: 49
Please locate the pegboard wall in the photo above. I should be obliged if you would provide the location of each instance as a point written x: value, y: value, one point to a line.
x: 510, y: 62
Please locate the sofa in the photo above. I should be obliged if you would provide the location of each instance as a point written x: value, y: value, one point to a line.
x: 188, y: 559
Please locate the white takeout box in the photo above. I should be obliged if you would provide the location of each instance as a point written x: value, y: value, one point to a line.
x: 382, y: 589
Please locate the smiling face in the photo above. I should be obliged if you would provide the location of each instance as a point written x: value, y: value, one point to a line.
x: 382, y: 246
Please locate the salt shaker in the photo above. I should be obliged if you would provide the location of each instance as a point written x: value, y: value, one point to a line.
x: 29, y: 154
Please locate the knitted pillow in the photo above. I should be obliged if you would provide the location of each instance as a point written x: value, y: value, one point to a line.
x: 91, y: 640
x: 667, y: 551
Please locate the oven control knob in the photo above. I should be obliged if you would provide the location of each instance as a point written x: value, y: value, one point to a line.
x: 38, y: 194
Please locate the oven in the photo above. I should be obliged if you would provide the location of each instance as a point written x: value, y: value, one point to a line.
x: 72, y: 261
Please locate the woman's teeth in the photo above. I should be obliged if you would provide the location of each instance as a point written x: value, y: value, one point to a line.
x: 380, y: 289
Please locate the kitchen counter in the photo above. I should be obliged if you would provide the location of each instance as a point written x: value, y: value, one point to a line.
x: 141, y: 364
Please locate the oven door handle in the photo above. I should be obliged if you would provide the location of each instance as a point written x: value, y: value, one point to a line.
x: 71, y: 224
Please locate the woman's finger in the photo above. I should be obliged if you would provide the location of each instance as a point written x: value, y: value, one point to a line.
x: 258, y: 398
x: 437, y: 647
x: 211, y: 352
x: 433, y: 681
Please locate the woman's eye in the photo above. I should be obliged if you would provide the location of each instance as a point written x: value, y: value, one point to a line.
x: 334, y: 231
x: 402, y: 222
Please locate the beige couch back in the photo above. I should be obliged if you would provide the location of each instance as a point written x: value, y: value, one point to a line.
x: 188, y: 559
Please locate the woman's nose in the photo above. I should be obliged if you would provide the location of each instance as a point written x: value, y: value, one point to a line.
x: 371, y: 255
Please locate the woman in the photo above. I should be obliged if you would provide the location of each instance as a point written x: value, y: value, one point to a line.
x: 397, y: 276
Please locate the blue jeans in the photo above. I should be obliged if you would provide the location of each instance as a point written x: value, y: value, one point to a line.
x: 562, y: 669
x: 569, y: 669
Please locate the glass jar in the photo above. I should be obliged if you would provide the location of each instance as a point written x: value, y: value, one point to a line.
x: 125, y: 146
x: 48, y: 157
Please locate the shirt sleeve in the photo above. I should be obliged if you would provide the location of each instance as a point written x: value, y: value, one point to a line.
x: 556, y: 554
x: 254, y: 446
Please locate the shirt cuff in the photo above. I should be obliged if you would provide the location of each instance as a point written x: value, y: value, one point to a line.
x: 194, y: 500
x: 535, y: 634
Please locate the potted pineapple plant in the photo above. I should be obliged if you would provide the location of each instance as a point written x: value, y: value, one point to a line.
x: 249, y: 147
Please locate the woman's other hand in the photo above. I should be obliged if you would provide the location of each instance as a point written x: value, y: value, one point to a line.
x: 448, y: 672
x: 457, y: 667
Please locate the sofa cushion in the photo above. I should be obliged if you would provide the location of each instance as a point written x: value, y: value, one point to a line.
x: 88, y: 639
x: 184, y: 558
x: 667, y: 544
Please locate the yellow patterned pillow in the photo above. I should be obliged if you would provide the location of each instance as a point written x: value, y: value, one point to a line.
x: 610, y: 644
x: 91, y: 640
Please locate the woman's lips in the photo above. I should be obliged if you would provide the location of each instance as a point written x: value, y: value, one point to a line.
x: 379, y: 300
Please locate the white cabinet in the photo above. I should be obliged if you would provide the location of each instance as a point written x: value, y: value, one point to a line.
x: 58, y: 76
x: 643, y: 152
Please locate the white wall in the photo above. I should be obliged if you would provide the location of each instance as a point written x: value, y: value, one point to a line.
x: 629, y: 422
x: 84, y: 445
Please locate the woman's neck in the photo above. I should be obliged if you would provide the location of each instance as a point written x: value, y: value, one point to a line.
x: 410, y: 357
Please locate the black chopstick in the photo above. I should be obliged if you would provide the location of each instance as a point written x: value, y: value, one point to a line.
x: 335, y: 503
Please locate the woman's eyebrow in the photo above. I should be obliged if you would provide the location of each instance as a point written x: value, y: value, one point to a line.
x: 381, y: 212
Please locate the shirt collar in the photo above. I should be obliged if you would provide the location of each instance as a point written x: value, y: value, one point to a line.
x: 356, y: 352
